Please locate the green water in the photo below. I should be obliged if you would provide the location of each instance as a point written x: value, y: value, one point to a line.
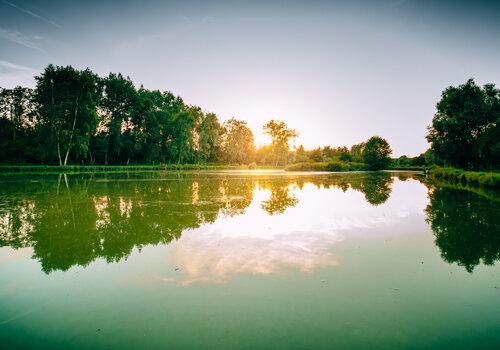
x: 247, y: 260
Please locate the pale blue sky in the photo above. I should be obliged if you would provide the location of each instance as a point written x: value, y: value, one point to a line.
x: 338, y: 72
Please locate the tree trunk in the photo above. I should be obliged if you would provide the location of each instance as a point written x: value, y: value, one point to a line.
x: 91, y: 159
x: 58, y: 148
x: 13, y: 121
x: 72, y: 132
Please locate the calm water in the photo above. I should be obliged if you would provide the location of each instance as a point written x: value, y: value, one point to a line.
x: 247, y: 260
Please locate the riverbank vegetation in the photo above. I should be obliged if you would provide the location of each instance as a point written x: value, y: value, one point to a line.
x: 474, y: 178
x: 75, y: 118
x: 126, y: 168
x: 465, y: 131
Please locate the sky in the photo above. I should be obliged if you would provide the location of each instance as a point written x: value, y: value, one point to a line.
x: 337, y: 71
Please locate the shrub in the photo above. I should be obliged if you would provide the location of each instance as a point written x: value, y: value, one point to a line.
x: 486, y: 179
x: 337, y: 166
x: 309, y: 166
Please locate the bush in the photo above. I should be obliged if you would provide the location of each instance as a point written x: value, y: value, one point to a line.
x: 309, y: 166
x: 354, y: 166
x: 335, y: 165
x: 475, y: 178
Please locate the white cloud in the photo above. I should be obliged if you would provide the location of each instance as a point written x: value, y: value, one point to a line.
x: 12, y: 74
x: 31, y: 13
x: 32, y: 42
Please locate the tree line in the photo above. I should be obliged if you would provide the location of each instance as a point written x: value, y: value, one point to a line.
x: 77, y: 117
x: 74, y: 116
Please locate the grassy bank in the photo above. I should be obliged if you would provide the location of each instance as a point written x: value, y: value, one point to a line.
x: 324, y: 166
x: 472, y: 178
x: 409, y: 167
x: 121, y: 168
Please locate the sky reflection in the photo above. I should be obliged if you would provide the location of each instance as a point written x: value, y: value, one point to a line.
x: 300, y: 238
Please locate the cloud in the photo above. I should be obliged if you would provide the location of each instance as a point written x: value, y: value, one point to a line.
x: 21, y: 39
x: 31, y: 13
x: 12, y: 74
x: 213, y: 258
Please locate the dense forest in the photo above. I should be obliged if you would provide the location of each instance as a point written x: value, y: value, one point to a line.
x: 76, y: 117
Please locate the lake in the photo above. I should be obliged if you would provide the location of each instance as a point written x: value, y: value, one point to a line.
x: 247, y: 260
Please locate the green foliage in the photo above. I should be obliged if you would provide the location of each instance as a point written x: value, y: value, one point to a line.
x: 264, y: 155
x: 117, y: 108
x: 308, y: 166
x: 300, y: 154
x: 376, y: 153
x: 345, y: 155
x: 466, y: 127
x: 237, y: 142
x: 336, y: 166
x: 17, y: 121
x: 356, y: 152
x: 423, y: 161
x: 209, y: 132
x: 75, y: 117
x: 19, y: 169
x: 474, y: 178
x: 281, y: 136
x: 67, y: 103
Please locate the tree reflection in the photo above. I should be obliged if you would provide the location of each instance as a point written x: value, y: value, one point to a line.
x: 73, y: 220
x: 281, y: 196
x: 375, y: 186
x: 109, y: 218
x: 466, y: 226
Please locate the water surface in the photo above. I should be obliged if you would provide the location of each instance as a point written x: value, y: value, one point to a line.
x: 247, y: 260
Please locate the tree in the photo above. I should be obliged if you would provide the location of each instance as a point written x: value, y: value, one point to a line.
x: 356, y: 152
x: 17, y: 125
x: 237, y: 142
x: 281, y: 136
x: 209, y: 131
x: 116, y: 111
x: 463, y: 129
x: 344, y: 154
x: 16, y: 105
x: 182, y: 128
x: 316, y: 154
x: 328, y: 153
x: 376, y: 153
x: 67, y: 100
x: 300, y: 154
x: 162, y: 127
x: 263, y: 155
